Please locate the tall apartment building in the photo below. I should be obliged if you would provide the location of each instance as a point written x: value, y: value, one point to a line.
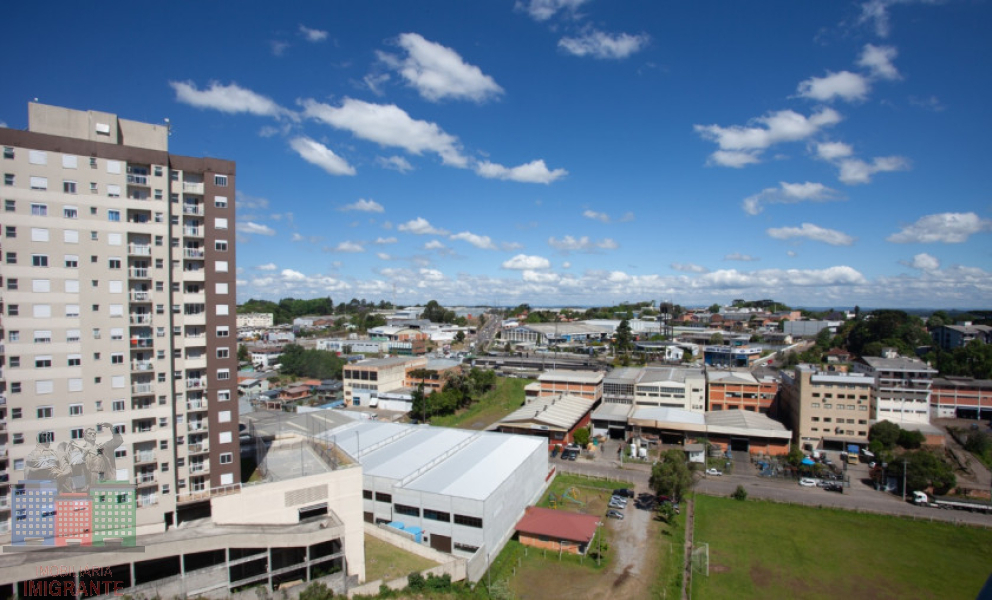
x: 902, y: 387
x: 827, y: 410
x: 118, y: 302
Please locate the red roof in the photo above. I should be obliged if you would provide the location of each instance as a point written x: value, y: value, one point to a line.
x: 558, y: 524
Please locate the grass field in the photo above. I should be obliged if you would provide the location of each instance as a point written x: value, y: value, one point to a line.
x: 387, y: 562
x: 507, y: 397
x: 767, y: 550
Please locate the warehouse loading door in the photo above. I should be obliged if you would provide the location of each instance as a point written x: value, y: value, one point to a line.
x: 441, y: 543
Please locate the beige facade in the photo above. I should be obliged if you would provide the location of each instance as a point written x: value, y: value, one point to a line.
x: 827, y: 410
x: 902, y: 388
x: 365, y: 379
x: 119, y: 302
x: 255, y: 320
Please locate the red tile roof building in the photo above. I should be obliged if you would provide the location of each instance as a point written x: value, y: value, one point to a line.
x: 557, y: 530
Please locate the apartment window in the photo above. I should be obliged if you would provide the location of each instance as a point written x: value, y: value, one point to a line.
x: 45, y: 412
x: 223, y: 395
x: 220, y: 266
x: 158, y: 196
x: 13, y: 310
x: 8, y: 152
x: 436, y: 515
x: 46, y: 437
x: 381, y: 497
x: 15, y: 361
x: 70, y: 236
x: 39, y: 260
x: 94, y: 235
x: 14, y: 336
x: 220, y: 245
x: 43, y: 362
x: 8, y: 179
x: 12, y: 284
x: 220, y: 180
x: 113, y: 215
x: 75, y: 360
x: 75, y: 410
x: 39, y: 210
x: 72, y: 310
x: 226, y: 458
x: 223, y: 374
x: 71, y: 261
x: 15, y: 387
x: 114, y: 263
x: 223, y: 352
x: 223, y: 331
x: 117, y: 358
x: 10, y: 205
x: 10, y: 231
x: 11, y: 258
x: 72, y: 335
x: 468, y: 521
x: 39, y: 234
x: 39, y: 183
x: 94, y: 189
x: 69, y: 187
x: 41, y: 286
x: 117, y: 333
x: 37, y: 157
x: 220, y: 223
x: 69, y: 161
x: 220, y: 201
x: 15, y: 413
x: 403, y: 509
x: 224, y: 416
x: 222, y: 310
x: 76, y: 434
x: 220, y: 288
x: 117, y: 406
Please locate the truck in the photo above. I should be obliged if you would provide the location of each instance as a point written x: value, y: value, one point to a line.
x: 924, y: 499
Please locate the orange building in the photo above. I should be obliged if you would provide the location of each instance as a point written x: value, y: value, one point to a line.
x: 557, y: 530
x: 585, y: 384
x: 962, y: 397
x: 739, y: 390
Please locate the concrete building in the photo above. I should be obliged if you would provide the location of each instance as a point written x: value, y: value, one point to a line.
x: 255, y: 320
x: 731, y: 356
x: 949, y: 337
x: 554, y: 418
x: 902, y: 388
x: 465, y: 489
x: 743, y: 430
x: 364, y: 379
x: 585, y: 384
x: 827, y: 411
x: 809, y: 329
x: 672, y: 387
x: 618, y: 385
x: 119, y: 304
x: 961, y: 397
x: 265, y: 357
x: 355, y: 346
x: 740, y: 390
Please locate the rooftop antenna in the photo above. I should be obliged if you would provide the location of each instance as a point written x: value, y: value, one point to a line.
x: 168, y: 126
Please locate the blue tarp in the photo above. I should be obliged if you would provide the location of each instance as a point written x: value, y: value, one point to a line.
x: 853, y: 448
x: 809, y: 461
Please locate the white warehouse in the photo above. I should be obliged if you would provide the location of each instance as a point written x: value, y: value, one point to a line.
x: 465, y: 489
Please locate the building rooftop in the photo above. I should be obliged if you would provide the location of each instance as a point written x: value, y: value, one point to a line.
x: 970, y: 382
x: 392, y: 361
x: 442, y: 364
x: 719, y: 376
x: 560, y: 411
x: 900, y: 363
x: 677, y: 374
x: 665, y: 414
x: 558, y: 524
x: 622, y: 375
x: 587, y: 377
x: 612, y: 412
x: 717, y: 420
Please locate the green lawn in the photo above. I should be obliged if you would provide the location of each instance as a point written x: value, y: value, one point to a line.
x: 506, y: 397
x: 767, y: 550
x: 387, y: 562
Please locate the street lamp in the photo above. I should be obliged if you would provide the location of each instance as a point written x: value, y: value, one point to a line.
x: 904, y: 480
x: 599, y: 556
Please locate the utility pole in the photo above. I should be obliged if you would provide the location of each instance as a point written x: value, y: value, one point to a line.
x: 904, y: 480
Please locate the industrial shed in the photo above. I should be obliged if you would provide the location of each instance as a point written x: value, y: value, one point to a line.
x: 554, y: 418
x: 465, y: 489
x: 557, y: 530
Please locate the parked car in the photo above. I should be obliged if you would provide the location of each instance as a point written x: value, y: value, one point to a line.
x: 712, y: 471
x: 807, y: 482
x: 617, y: 502
x: 614, y: 514
x: 624, y: 492
x: 834, y: 487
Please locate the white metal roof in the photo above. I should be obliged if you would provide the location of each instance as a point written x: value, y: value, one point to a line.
x: 588, y: 377
x: 560, y: 411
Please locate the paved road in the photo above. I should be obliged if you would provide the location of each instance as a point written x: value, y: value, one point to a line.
x: 859, y: 496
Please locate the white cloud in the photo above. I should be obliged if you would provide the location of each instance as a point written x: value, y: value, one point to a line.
x: 266, y: 267
x: 599, y: 44
x: 291, y: 275
x: 383, y: 256
x: 533, y: 172
x: 525, y: 262
x: 438, y: 72
x: 689, y: 268
x: 540, y: 277
x: 510, y: 246
x: 923, y: 262
x: 542, y: 10
x: 320, y: 155
x: 394, y: 163
x: 350, y: 247
x: 364, y: 205
x: 876, y: 12
x: 812, y: 232
x: 789, y: 193
x: 743, y: 145
x: 420, y: 226
x: 375, y: 81
x: 855, y: 171
x: 435, y: 245
x: 389, y: 240
x: 390, y: 126
x: 249, y: 227
x: 582, y: 244
x: 596, y: 216
x: 741, y: 257
x: 312, y: 35
x: 245, y: 202
x: 833, y: 150
x: 231, y: 99
x: 932, y: 103
x: 878, y: 61
x: 278, y: 47
x: 949, y: 228
x: 566, y: 265
x: 479, y: 241
x: 845, y: 85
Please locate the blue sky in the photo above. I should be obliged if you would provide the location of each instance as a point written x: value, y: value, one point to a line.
x: 562, y: 152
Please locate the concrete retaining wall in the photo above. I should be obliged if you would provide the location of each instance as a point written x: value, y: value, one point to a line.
x: 453, y: 566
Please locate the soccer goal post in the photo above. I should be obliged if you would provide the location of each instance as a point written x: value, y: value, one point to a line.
x: 701, y: 559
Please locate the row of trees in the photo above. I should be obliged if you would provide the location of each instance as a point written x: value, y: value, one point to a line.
x: 287, y: 309
x: 460, y: 391
x: 316, y: 364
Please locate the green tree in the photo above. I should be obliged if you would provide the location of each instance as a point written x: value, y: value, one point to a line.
x: 317, y: 591
x: 671, y: 476
x: 433, y: 312
x: 716, y: 339
x: 243, y: 354
x: 740, y: 493
x: 885, y: 432
x: 979, y: 443
x: 910, y: 439
x: 666, y: 510
x: 925, y: 469
x: 624, y: 338
x: 714, y: 308
x: 795, y: 456
x: 460, y: 337
x: 581, y: 437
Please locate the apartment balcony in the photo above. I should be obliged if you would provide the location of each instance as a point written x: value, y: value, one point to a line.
x: 142, y: 342
x: 141, y: 366
x: 196, y: 404
x: 198, y: 362
x: 193, y: 187
x: 139, y: 273
x: 145, y: 479
x: 193, y: 231
x: 196, y: 426
x: 139, y: 250
x: 145, y: 458
x: 195, y: 341
x: 137, y: 180
x: 193, y: 253
x: 199, y: 448
x: 203, y: 467
x: 142, y: 388
x: 196, y: 318
x: 146, y: 501
x: 3, y: 350
x: 140, y: 296
x: 198, y: 383
x: 141, y: 319
x: 193, y: 209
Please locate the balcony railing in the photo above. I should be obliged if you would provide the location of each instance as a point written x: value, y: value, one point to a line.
x: 141, y: 342
x: 139, y: 250
x: 141, y: 319
x: 196, y: 405
x: 138, y: 273
x: 193, y: 209
x: 141, y: 296
x: 194, y: 231
x: 196, y: 426
x: 144, y: 479
x: 198, y: 448
x: 145, y: 457
x: 193, y: 252
x: 193, y: 187
x: 195, y: 384
x: 199, y: 467
x: 144, y: 501
x: 142, y: 365
x: 141, y: 388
